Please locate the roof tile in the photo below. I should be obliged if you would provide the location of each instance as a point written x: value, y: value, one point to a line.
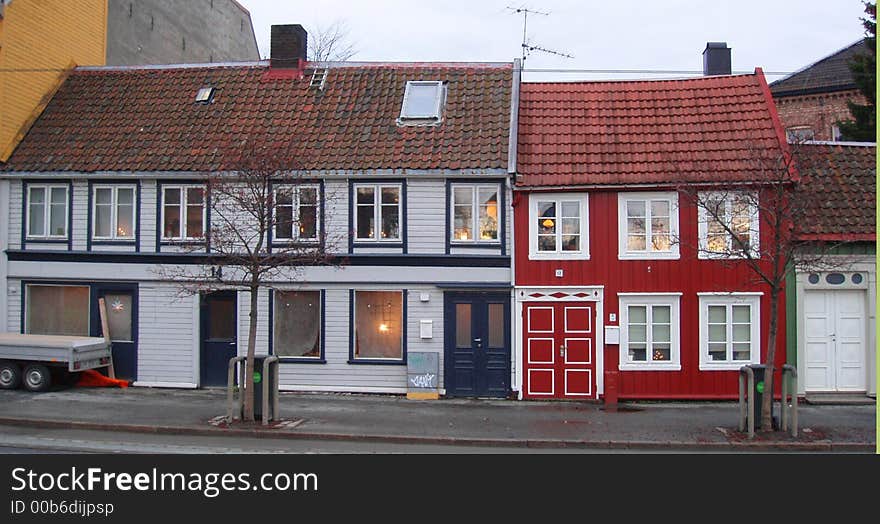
x: 147, y: 120
x: 600, y: 133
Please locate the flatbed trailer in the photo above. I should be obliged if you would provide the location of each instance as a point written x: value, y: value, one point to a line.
x: 25, y: 360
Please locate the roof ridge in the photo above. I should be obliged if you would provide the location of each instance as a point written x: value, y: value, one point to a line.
x: 642, y: 80
x: 775, y: 83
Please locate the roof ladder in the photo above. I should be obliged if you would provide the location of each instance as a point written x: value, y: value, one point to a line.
x: 319, y: 79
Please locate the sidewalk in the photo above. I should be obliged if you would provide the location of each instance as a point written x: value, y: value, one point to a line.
x: 386, y: 418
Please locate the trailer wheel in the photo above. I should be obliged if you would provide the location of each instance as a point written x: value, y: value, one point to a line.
x: 36, y: 378
x: 10, y: 375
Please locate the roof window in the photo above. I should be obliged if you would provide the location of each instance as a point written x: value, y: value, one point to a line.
x: 422, y: 102
x: 205, y: 95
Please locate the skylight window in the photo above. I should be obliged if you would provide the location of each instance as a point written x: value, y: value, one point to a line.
x: 423, y: 100
x: 205, y: 95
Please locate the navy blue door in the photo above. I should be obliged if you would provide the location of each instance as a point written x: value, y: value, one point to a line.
x: 218, y: 328
x: 121, y: 301
x: 477, y: 345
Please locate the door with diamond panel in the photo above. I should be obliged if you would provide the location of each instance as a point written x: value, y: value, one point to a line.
x: 559, y: 350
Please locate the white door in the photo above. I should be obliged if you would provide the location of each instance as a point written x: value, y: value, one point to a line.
x: 834, y: 340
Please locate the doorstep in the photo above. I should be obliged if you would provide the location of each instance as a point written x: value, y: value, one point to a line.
x: 839, y: 399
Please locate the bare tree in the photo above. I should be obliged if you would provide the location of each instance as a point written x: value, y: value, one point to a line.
x: 265, y: 197
x: 777, y: 206
x: 331, y: 43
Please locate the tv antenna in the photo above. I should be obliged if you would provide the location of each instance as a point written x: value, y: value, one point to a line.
x: 527, y: 46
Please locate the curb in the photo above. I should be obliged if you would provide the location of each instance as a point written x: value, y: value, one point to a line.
x: 817, y: 446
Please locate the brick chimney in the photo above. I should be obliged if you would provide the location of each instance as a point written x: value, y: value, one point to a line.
x: 288, y: 46
x: 716, y: 59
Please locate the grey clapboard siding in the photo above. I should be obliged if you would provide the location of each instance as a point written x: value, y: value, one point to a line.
x: 13, y: 293
x: 426, y: 216
x: 79, y: 225
x: 147, y: 214
x: 167, y: 335
x: 4, y: 242
x: 337, y: 374
x: 15, y: 214
x: 244, y: 309
x: 336, y: 215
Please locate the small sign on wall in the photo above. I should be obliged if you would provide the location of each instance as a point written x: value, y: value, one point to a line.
x: 422, y: 375
x: 426, y: 329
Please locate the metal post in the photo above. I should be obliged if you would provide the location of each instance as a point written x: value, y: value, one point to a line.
x: 742, y: 399
x: 750, y: 416
x: 276, y: 411
x: 267, y: 379
x: 230, y: 394
x: 789, y: 384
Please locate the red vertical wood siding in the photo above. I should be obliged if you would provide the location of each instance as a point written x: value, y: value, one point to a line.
x: 688, y: 275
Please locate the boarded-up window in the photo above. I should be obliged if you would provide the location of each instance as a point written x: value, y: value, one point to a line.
x: 57, y: 310
x: 297, y: 324
x: 378, y: 324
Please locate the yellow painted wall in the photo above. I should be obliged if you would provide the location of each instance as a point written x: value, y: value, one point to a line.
x: 39, y: 41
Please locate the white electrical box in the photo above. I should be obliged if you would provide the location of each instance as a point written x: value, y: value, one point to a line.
x: 612, y: 334
x: 426, y: 328
x: 424, y: 297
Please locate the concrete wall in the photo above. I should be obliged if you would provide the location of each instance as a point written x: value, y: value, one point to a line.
x: 818, y: 111
x: 174, y: 32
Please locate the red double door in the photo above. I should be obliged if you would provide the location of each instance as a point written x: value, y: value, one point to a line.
x: 559, y: 350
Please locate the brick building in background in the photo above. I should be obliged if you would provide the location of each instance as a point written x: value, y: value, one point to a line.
x: 811, y: 101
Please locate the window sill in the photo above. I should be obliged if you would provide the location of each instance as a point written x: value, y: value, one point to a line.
x: 385, y: 362
x: 650, y: 367
x: 725, y: 256
x: 377, y: 243
x: 559, y: 256
x: 729, y: 366
x: 187, y: 242
x: 648, y: 256
x: 494, y: 244
x: 47, y: 240
x: 301, y: 360
x: 111, y: 242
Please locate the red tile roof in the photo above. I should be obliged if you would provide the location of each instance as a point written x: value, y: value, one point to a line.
x: 146, y: 119
x: 838, y: 183
x: 645, y: 132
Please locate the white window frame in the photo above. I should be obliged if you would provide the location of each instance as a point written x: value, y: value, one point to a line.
x: 47, y: 210
x: 377, y: 213
x: 354, y: 327
x: 623, y: 253
x: 475, y: 213
x: 295, y: 205
x: 183, y: 189
x: 583, y: 200
x: 729, y: 299
x: 114, y: 210
x: 703, y: 225
x: 650, y: 299
x: 438, y: 101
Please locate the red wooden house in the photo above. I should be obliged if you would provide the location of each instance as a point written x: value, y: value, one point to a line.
x: 615, y: 278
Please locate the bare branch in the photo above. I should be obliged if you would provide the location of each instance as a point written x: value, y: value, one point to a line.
x: 331, y: 43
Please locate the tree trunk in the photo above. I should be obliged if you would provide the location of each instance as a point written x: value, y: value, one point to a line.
x: 767, y: 402
x: 251, y: 350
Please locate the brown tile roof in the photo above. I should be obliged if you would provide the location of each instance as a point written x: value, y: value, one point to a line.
x: 146, y: 119
x: 831, y: 73
x: 839, y: 184
x: 645, y: 132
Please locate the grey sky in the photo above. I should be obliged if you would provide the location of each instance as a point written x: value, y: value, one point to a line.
x: 777, y: 35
